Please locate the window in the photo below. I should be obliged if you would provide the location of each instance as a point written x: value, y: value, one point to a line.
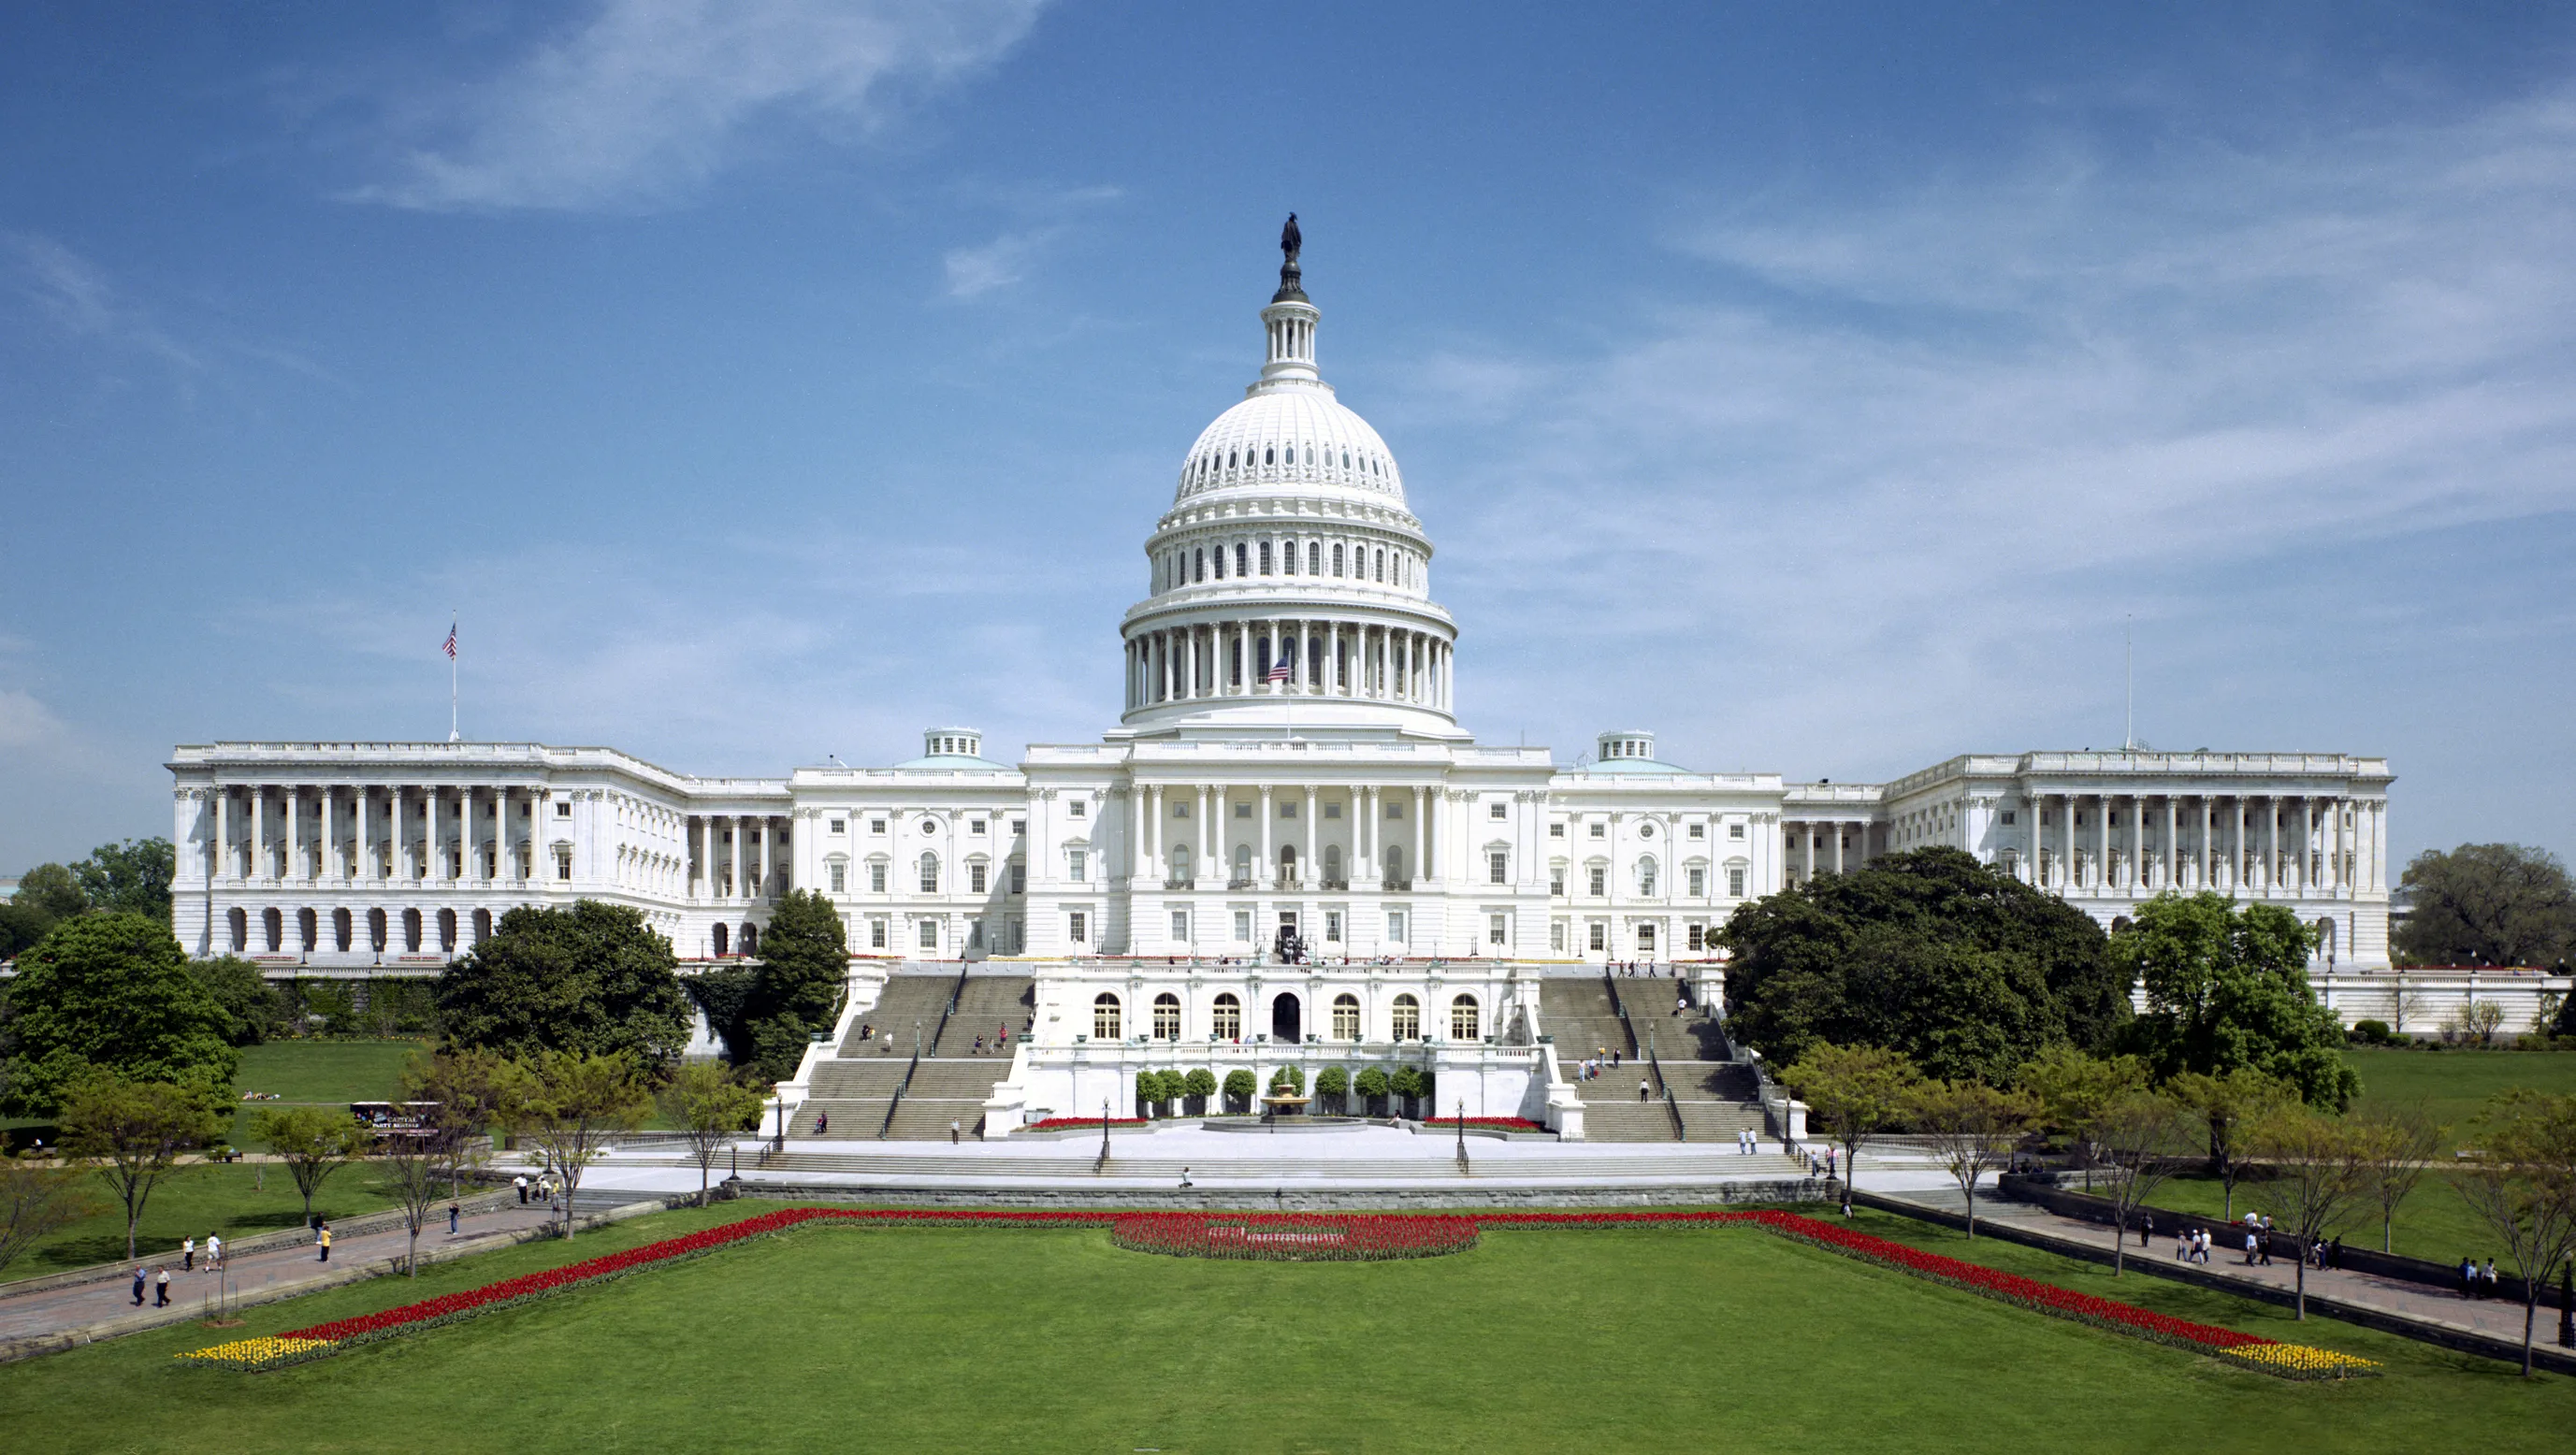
x: 1699, y: 831
x: 975, y: 877
x: 1167, y: 1017
x: 1019, y: 877
x: 1019, y: 828
x: 1646, y: 877
x: 563, y: 808
x: 1600, y: 935
x: 1180, y: 926
x: 876, y: 825
x: 877, y: 877
x: 1074, y: 927
x: 1462, y: 1018
x: 1337, y: 558
x: 1556, y: 881
x: 1220, y: 563
x: 974, y: 826
x: 1201, y: 557
x: 1408, y: 1018
x: 1288, y: 558
x: 1181, y: 808
x: 1735, y: 831
x: 1498, y: 929
x: 2008, y: 818
x: 1227, y: 1018
x: 1556, y: 936
x: 1698, y: 881
x: 563, y: 863
x: 1381, y: 566
x: 928, y: 934
x: 1495, y: 810
x: 1073, y: 865
x: 1498, y: 867
x: 1243, y: 925
x: 930, y: 826
x: 1104, y: 1018
x: 1332, y: 810
x: 1314, y: 558
x: 1645, y: 939
x: 1698, y: 936
x: 1645, y: 830
x: 930, y: 873
x: 1395, y: 926
x: 840, y: 826
x: 1735, y: 884
x: 1243, y: 810
x: 1265, y: 558
x: 1332, y: 926
x: 1346, y: 1017
x: 876, y: 934
x: 1077, y: 808
x: 840, y: 874
x: 1287, y: 808
x: 1239, y: 554
x: 1395, y: 808
x: 1599, y: 876
x: 1600, y: 831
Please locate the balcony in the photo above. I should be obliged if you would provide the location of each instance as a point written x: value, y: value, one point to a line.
x: 1180, y: 884
x: 1395, y: 884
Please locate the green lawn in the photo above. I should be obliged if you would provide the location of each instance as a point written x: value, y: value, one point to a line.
x: 2433, y: 1223
x: 2454, y: 1085
x: 323, y: 1073
x: 193, y: 1201
x: 1542, y: 1341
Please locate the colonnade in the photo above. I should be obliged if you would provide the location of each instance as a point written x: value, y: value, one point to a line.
x: 2261, y: 844
x: 327, y: 835
x: 1182, y: 836
x: 1835, y: 855
x: 1327, y: 658
x: 739, y: 856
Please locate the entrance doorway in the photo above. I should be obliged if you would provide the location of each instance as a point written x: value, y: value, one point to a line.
x: 1284, y: 1024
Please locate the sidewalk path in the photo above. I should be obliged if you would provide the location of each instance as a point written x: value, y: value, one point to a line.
x: 45, y: 1319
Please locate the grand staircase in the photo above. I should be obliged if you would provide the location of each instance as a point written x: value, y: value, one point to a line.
x: 874, y: 1088
x: 1714, y: 1099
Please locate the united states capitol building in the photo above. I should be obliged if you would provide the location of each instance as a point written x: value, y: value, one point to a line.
x: 1289, y: 781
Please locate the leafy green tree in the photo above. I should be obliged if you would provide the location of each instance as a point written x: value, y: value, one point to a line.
x: 2488, y: 904
x: 2142, y: 1135
x: 252, y: 1007
x: 47, y: 895
x: 465, y: 1091
x: 2073, y: 1088
x: 723, y: 993
x: 1149, y: 1090
x: 109, y: 992
x: 1374, y: 1088
x: 128, y: 878
x: 592, y: 978
x: 2523, y: 1187
x: 2320, y: 1165
x: 1854, y: 1093
x: 1972, y: 1128
x: 36, y: 1200
x: 2229, y: 1107
x: 1289, y: 1079
x: 2227, y: 988
x: 711, y: 1104
x: 1239, y: 1088
x: 313, y: 1142
x: 1408, y: 1082
x: 798, y: 987
x: 1200, y: 1085
x: 572, y: 1104
x: 1966, y: 970
x: 1333, y: 1084
x: 133, y: 1131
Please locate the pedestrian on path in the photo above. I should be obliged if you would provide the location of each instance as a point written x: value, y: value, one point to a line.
x: 521, y: 1183
x: 141, y: 1276
x: 2251, y: 1238
x: 453, y: 1212
x: 1185, y: 1177
x: 187, y: 1255
x: 214, y: 1251
x: 2146, y: 1229
x: 322, y: 1240
x: 954, y: 1133
x: 1641, y: 1088
x: 161, y: 1287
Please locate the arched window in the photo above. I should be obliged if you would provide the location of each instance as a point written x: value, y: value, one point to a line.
x: 272, y: 930
x: 238, y: 923
x: 929, y: 873
x: 1180, y: 864
x: 1381, y: 565
x: 1394, y: 863
x: 1229, y: 459
x: 1265, y: 558
x: 1220, y: 563
x: 1201, y: 556
x: 1337, y: 558
x: 308, y: 931
x: 375, y: 931
x: 1408, y: 1018
x: 340, y: 929
x: 1243, y: 863
x: 750, y: 938
x: 1287, y: 861
x: 1104, y: 1018
x: 1346, y: 1017
x: 1239, y: 558
x: 1346, y: 459
x: 1332, y: 863
x: 717, y: 940
x: 447, y: 929
x: 1314, y: 558
x: 1228, y: 1017
x: 1167, y: 1017
x: 1270, y: 455
x: 1462, y: 1019
x: 1646, y: 876
x: 1288, y: 558
x: 411, y: 932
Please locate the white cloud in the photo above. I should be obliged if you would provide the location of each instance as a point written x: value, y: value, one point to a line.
x: 26, y: 723
x: 81, y: 299
x: 973, y: 272
x: 650, y: 97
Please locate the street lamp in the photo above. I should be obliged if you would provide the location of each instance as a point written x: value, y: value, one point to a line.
x: 1104, y: 1136
x: 1462, y: 1134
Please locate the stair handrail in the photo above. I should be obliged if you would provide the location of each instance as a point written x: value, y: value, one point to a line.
x: 1672, y: 1104
x: 956, y: 993
x: 903, y: 1086
x: 1626, y: 1027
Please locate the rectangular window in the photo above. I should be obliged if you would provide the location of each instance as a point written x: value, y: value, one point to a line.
x: 1556, y: 882
x: 840, y: 826
x: 1698, y: 936
x: 1332, y: 926
x: 1556, y: 831
x: 1077, y: 808
x: 1019, y: 878
x: 1698, y: 882
x: 1395, y: 808
x: 1019, y: 828
x: 1600, y: 879
x: 1076, y: 927
x: 1600, y: 831
x: 1243, y: 810
x: 1073, y: 865
x: 1287, y: 808
x: 2008, y: 818
x: 876, y: 825
x: 876, y: 878
x: 1646, y: 939
x: 1735, y: 831
x: 1243, y: 924
x: 974, y: 826
x: 1332, y: 810
x: 563, y: 863
x: 975, y: 877
x: 929, y: 934
x: 876, y: 934
x: 1600, y: 935
x: 1180, y: 926
x: 1735, y: 884
x: 1498, y: 929
x: 1699, y: 831
x: 1498, y: 867
x: 1556, y: 936
x: 1395, y: 926
x: 563, y: 809
x: 1497, y: 810
x: 1181, y: 808
x: 974, y: 934
x: 840, y: 872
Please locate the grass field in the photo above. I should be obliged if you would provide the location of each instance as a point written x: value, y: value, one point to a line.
x: 957, y: 1339
x: 195, y: 1200
x: 2432, y: 1223
x: 2454, y: 1085
x: 320, y: 1073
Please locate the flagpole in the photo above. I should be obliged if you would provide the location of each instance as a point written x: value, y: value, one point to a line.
x: 452, y: 735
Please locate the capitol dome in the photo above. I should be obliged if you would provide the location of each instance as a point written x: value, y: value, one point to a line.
x: 1291, y: 433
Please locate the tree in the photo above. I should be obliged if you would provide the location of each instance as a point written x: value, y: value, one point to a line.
x: 1200, y: 1084
x: 1963, y: 968
x: 1373, y: 1087
x: 571, y: 1103
x: 2073, y: 1088
x: 2523, y: 1186
x: 1408, y: 1082
x: 1853, y: 1092
x: 249, y: 1003
x: 1972, y: 1127
x: 1240, y: 1085
x: 1333, y: 1084
x: 412, y: 1168
x: 36, y: 1201
x: 2228, y: 1106
x: 2479, y: 1021
x: 713, y: 1106
x: 2318, y: 1165
x: 47, y: 895
x: 462, y: 1093
x: 798, y: 987
x: 112, y: 993
x: 1149, y: 1090
x: 2397, y: 1149
x: 593, y: 979
x: 2227, y: 988
x: 2138, y: 1133
x: 128, y: 878
x: 132, y: 1131
x: 2487, y: 904
x: 312, y: 1141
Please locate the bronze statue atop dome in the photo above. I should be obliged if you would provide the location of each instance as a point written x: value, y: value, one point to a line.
x: 1291, y: 288
x: 1290, y: 239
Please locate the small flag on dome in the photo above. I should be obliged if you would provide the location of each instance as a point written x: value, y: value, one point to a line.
x: 1279, y: 670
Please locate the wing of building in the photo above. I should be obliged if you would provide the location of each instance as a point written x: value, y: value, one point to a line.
x: 1288, y: 780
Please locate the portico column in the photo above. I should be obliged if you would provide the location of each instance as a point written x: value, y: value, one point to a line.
x: 258, y: 833
x: 223, y: 836
x: 1310, y: 861
x: 733, y: 831
x: 1364, y: 834
x: 1836, y: 828
x: 1261, y: 866
x: 1428, y: 858
x: 2173, y: 855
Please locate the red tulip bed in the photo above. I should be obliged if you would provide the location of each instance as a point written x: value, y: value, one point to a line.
x: 1492, y: 1124
x: 1300, y: 1238
x: 1294, y: 1237
x: 1066, y: 1124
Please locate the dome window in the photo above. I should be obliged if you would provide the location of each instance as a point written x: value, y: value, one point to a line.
x: 1270, y: 455
x: 1202, y: 566
x: 1229, y: 459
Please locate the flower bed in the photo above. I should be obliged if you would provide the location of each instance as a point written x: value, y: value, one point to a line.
x: 1296, y: 1237
x: 1072, y: 1124
x: 1491, y: 1124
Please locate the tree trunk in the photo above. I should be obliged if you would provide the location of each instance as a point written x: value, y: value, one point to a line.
x: 411, y: 1259
x: 1969, y: 1188
x: 2302, y: 1251
x: 2530, y: 1312
x: 2120, y: 1244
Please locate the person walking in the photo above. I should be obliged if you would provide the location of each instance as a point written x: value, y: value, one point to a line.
x: 2251, y: 1238
x: 822, y: 1122
x: 521, y: 1182
x: 187, y: 1255
x: 1641, y: 1089
x: 453, y: 1213
x: 214, y: 1251
x: 161, y: 1286
x: 322, y: 1239
x: 955, y: 1132
x: 141, y: 1276
x: 2146, y: 1228
x: 1185, y: 1177
x: 2493, y: 1290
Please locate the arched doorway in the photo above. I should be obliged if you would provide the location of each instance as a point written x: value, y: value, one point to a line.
x: 719, y: 939
x: 1285, y: 1026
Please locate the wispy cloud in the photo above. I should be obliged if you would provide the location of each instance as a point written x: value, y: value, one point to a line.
x: 1043, y: 214
x: 648, y: 98
x: 80, y: 298
x: 973, y: 272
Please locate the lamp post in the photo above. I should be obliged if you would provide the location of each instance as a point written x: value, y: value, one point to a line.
x: 1104, y: 1136
x: 1462, y: 1134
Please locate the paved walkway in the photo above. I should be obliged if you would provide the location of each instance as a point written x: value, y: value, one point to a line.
x: 2495, y: 1318
x: 104, y: 1308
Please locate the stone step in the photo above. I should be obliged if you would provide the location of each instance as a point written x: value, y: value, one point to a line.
x: 1713, y: 1165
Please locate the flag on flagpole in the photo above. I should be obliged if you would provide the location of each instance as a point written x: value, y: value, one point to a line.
x: 1279, y: 670
x: 451, y: 639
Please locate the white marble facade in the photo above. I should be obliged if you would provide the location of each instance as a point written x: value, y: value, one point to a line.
x: 1289, y: 753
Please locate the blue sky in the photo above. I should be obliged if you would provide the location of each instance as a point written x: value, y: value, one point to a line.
x: 1824, y: 387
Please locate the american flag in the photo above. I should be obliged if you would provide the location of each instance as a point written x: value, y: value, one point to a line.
x: 451, y: 640
x: 1279, y: 670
